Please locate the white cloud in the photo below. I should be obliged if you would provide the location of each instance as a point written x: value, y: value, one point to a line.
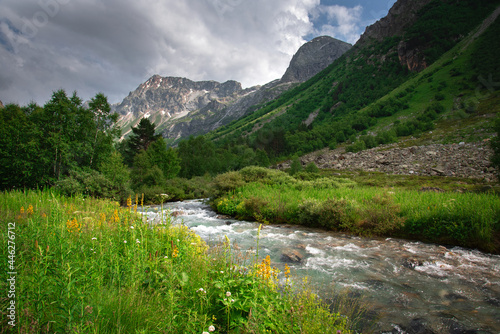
x: 112, y: 46
x: 343, y: 22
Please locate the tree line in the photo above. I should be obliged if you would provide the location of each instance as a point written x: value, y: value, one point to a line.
x: 74, y: 147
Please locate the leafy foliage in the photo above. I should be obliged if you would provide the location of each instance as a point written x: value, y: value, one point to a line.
x: 41, y: 145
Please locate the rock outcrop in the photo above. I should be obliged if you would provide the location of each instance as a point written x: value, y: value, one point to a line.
x: 1, y: 105
x: 163, y: 99
x: 402, y: 15
x: 313, y: 57
x: 469, y: 160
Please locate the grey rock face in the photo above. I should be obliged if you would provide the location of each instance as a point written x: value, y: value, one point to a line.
x: 164, y: 99
x: 313, y: 57
x: 402, y: 14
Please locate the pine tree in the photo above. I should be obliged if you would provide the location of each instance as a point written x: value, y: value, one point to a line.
x: 142, y: 136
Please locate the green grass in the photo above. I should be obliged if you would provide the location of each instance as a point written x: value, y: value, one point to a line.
x: 458, y: 218
x: 90, y: 266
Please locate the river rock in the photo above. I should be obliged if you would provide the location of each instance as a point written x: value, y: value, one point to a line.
x: 419, y: 326
x: 291, y: 256
x: 411, y: 263
x: 177, y: 213
x: 454, y: 327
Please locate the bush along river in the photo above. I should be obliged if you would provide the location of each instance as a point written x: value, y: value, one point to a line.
x: 410, y: 287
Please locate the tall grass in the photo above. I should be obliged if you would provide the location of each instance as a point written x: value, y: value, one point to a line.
x: 465, y: 219
x: 91, y: 266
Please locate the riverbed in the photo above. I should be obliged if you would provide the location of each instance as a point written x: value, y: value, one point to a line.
x: 411, y: 287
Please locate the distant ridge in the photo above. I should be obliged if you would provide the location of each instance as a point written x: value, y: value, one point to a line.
x: 313, y: 57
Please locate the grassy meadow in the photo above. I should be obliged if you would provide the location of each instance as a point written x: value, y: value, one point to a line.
x: 465, y: 219
x: 83, y: 265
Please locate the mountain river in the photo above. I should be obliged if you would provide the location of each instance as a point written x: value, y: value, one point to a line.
x: 410, y: 287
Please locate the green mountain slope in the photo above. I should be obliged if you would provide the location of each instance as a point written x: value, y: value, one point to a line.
x: 372, y: 95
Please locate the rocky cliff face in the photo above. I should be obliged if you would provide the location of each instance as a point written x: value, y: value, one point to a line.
x: 217, y: 114
x: 402, y: 15
x: 1, y: 105
x: 313, y: 57
x: 165, y: 99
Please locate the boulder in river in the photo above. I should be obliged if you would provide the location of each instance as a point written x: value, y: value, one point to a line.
x: 291, y: 256
x: 177, y: 213
x: 411, y: 263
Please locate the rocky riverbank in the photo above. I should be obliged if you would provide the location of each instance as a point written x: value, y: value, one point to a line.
x: 468, y: 160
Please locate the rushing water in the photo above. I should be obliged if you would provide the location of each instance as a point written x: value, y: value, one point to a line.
x: 412, y: 287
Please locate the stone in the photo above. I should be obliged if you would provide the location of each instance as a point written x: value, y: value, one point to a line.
x: 419, y: 326
x: 177, y: 213
x: 291, y: 256
x: 438, y: 171
x: 411, y: 263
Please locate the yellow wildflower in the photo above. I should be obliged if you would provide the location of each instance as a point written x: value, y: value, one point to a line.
x: 116, y: 219
x: 287, y: 271
x: 72, y: 225
x: 102, y: 218
x: 30, y: 210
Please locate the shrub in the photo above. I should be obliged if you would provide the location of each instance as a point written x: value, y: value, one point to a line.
x: 305, y: 176
x: 254, y: 173
x: 91, y: 183
x: 380, y: 215
x: 336, y: 214
x: 228, y: 181
x: 253, y: 207
x: 296, y: 166
x: 151, y: 193
x: 358, y: 146
x: 265, y: 175
x: 311, y: 168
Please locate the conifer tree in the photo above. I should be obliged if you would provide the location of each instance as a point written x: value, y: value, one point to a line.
x: 142, y: 136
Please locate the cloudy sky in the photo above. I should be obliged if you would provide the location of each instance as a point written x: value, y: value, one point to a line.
x: 112, y: 46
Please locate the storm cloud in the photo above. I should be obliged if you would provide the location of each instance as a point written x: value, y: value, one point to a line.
x: 111, y: 46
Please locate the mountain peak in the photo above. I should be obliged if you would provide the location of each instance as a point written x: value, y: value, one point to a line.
x: 401, y: 15
x: 314, y: 56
